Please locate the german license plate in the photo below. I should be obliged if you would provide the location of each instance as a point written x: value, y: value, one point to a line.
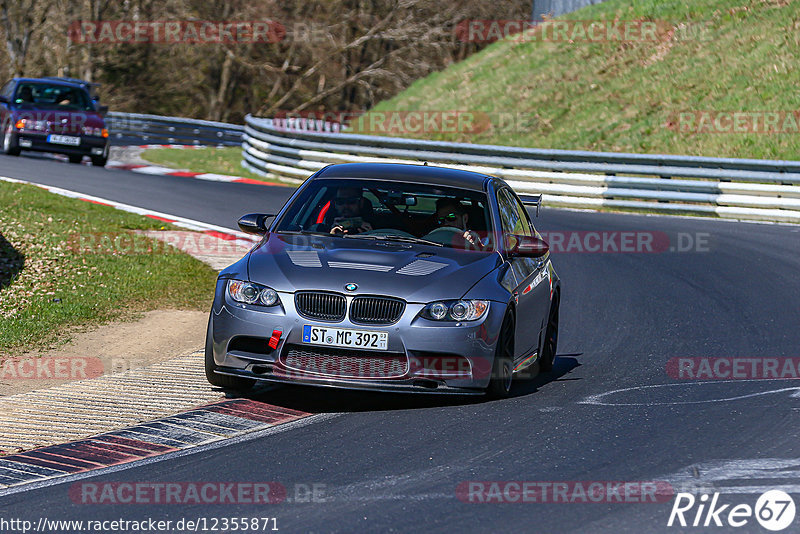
x: 344, y: 337
x: 64, y: 140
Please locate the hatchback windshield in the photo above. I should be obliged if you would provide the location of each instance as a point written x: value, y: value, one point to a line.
x: 53, y: 96
x: 395, y: 211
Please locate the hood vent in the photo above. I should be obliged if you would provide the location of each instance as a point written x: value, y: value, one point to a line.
x: 305, y: 258
x: 359, y: 266
x: 421, y: 268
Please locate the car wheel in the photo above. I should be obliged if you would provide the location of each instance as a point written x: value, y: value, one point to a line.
x: 503, y: 365
x: 75, y: 158
x: 10, y: 146
x: 99, y: 161
x: 224, y: 381
x: 550, y: 344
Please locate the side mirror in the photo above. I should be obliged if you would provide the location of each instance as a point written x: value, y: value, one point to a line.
x: 527, y: 246
x: 255, y: 223
x: 3, y: 100
x: 102, y: 110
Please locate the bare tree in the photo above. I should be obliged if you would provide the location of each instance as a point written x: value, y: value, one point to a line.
x: 342, y: 55
x: 20, y: 20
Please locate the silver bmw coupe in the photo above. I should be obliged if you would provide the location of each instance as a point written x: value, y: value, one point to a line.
x: 389, y: 277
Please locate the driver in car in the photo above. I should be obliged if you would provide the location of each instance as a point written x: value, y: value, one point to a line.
x: 450, y: 213
x: 351, y: 210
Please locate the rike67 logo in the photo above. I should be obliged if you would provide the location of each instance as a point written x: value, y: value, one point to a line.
x: 774, y: 510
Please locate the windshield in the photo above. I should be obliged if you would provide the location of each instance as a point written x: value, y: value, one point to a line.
x: 376, y: 209
x: 52, y: 96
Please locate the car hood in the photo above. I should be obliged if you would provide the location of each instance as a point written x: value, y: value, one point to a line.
x: 416, y: 273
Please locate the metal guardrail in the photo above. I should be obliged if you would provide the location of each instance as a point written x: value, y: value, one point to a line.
x: 136, y: 128
x: 730, y: 188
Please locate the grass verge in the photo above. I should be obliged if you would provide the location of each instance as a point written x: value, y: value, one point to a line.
x: 50, y: 286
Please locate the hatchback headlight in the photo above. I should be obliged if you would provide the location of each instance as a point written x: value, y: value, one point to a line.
x: 97, y: 132
x: 455, y: 310
x: 250, y: 293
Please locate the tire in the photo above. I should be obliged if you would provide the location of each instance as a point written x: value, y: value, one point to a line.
x: 73, y: 158
x: 550, y: 342
x: 234, y: 383
x: 10, y: 146
x: 99, y: 161
x: 503, y: 366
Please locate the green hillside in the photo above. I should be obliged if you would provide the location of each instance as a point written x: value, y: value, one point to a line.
x: 710, y: 56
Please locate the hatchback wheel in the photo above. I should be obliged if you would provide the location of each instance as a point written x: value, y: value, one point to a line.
x: 10, y: 146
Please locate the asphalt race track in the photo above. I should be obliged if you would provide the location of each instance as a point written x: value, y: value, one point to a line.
x: 610, y: 411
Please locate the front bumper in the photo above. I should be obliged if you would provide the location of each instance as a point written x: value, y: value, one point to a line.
x: 436, y: 357
x: 37, y: 141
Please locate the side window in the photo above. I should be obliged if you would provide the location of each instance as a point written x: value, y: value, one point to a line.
x: 524, y: 222
x: 514, y: 220
x: 509, y: 218
x: 513, y: 216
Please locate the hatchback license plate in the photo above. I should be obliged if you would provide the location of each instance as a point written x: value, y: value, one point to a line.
x: 344, y: 337
x: 64, y: 140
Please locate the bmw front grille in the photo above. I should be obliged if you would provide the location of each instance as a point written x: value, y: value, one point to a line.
x: 376, y: 310
x: 321, y: 306
x: 332, y: 307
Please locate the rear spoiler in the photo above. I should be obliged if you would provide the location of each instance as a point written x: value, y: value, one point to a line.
x: 532, y: 200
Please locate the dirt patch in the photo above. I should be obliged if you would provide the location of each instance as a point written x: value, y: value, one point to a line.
x: 113, y: 348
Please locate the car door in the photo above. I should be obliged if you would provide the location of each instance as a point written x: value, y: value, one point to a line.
x: 532, y: 293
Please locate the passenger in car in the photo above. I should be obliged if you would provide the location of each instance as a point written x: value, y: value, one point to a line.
x: 352, y: 212
x: 451, y: 213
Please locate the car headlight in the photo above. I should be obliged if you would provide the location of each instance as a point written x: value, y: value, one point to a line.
x: 97, y: 132
x: 455, y: 310
x: 250, y: 293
